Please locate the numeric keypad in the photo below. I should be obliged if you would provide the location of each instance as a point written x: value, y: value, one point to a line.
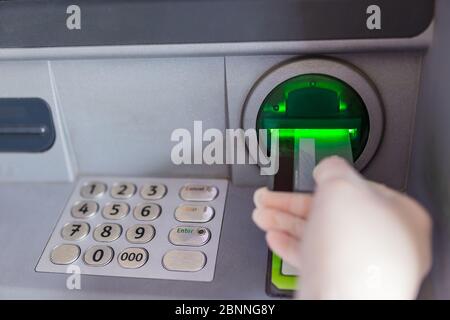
x: 139, y: 227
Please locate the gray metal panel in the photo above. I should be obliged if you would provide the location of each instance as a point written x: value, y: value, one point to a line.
x: 430, y: 175
x: 120, y: 114
x: 192, y: 21
x: 33, y: 79
x: 420, y: 42
x: 26, y: 224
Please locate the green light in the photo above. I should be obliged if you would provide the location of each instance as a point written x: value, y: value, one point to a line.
x: 353, y: 133
x: 330, y: 134
x: 276, y: 108
x: 281, y: 281
x: 342, y: 105
x: 318, y: 105
x: 282, y: 106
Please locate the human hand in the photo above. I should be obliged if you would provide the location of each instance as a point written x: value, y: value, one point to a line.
x: 351, y: 239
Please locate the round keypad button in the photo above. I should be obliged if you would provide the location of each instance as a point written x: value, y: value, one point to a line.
x: 84, y: 209
x: 123, y: 190
x: 98, y: 256
x: 107, y: 232
x: 116, y: 210
x: 75, y: 231
x: 140, y: 233
x: 147, y: 211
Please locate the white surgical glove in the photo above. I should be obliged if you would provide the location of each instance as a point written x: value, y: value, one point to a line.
x: 351, y: 239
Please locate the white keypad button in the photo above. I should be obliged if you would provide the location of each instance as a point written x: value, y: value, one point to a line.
x: 133, y: 258
x: 98, y: 256
x: 93, y: 190
x: 65, y: 254
x: 198, y: 192
x: 189, y: 236
x: 107, y: 232
x: 140, y: 233
x: 75, y: 231
x: 123, y: 190
x: 147, y: 211
x: 116, y: 210
x: 194, y: 213
x: 153, y: 191
x: 181, y: 260
x: 84, y: 209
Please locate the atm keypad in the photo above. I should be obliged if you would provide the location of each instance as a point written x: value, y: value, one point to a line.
x: 139, y: 227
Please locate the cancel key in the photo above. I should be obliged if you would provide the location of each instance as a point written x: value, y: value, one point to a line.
x: 198, y: 192
x: 189, y: 236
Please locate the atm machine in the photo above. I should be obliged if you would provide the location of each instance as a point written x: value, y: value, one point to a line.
x: 92, y: 94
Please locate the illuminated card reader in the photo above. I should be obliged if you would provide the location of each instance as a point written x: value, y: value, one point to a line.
x: 314, y: 116
x: 315, y: 106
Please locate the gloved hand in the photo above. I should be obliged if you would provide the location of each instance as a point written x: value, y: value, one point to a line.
x: 351, y: 239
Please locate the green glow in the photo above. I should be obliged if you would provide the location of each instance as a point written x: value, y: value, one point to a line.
x: 353, y: 133
x: 276, y: 108
x: 330, y: 134
x: 342, y: 105
x: 316, y: 102
x: 319, y: 107
x: 279, y: 280
x: 282, y: 106
x: 318, y: 82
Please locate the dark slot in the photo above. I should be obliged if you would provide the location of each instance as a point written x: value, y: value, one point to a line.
x: 26, y: 125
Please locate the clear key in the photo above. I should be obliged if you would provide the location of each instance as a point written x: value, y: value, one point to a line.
x: 194, y: 213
